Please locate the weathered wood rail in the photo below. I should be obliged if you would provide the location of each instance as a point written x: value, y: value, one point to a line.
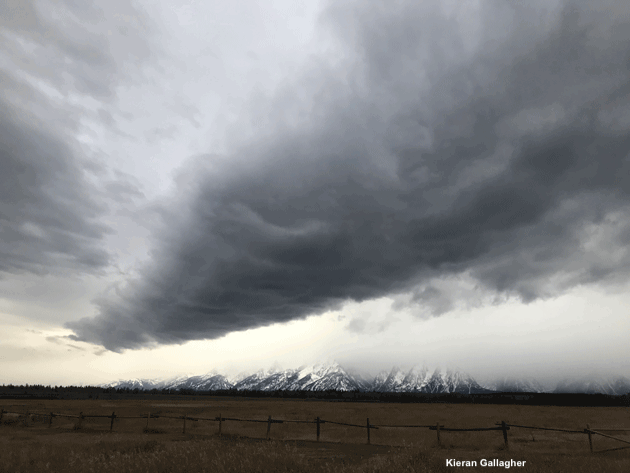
x: 502, y: 426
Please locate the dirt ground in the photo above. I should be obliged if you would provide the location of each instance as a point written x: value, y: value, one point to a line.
x: 26, y: 443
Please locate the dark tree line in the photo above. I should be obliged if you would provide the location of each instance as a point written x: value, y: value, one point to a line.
x: 38, y: 391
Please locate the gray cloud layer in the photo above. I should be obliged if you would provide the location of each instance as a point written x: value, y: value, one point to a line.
x: 493, y: 144
x: 54, y: 55
x: 47, y: 211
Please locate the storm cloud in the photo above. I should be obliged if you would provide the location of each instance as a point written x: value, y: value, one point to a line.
x: 56, y: 57
x: 488, y: 142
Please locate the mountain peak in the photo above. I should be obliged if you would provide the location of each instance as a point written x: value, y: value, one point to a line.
x: 332, y: 376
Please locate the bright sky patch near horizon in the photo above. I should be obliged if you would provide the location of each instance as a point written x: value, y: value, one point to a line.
x: 187, y: 187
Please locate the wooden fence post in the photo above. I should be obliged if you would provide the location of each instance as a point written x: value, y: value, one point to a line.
x: 80, y: 423
x: 437, y: 429
x: 368, y: 430
x: 50, y: 419
x: 504, y: 428
x: 148, y: 417
x: 184, y: 431
x: 1, y: 415
x: 111, y: 425
x: 590, y: 437
x: 220, y: 422
x: 317, y: 420
x: 268, y: 427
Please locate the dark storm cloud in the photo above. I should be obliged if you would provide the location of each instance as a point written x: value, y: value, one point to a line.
x: 50, y: 206
x: 493, y: 145
x: 47, y: 211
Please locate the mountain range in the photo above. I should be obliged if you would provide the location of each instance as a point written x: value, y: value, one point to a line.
x: 331, y: 376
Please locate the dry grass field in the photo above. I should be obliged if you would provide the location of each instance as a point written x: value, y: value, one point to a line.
x: 29, y: 445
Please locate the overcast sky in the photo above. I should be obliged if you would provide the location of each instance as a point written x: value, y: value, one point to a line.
x: 188, y: 186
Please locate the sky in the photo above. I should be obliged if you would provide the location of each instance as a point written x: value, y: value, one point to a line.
x: 191, y: 186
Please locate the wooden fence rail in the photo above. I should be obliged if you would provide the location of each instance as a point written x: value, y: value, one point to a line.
x: 547, y: 428
x: 502, y: 426
x: 407, y: 426
x: 608, y: 436
x: 474, y: 429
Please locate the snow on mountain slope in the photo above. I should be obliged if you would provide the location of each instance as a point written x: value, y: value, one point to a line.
x: 205, y: 383
x: 517, y: 385
x: 422, y: 380
x: 319, y: 377
x: 595, y: 385
x: 254, y: 382
x: 142, y: 384
x: 380, y: 380
x: 331, y: 376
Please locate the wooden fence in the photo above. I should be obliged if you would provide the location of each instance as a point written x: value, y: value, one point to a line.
x: 502, y: 426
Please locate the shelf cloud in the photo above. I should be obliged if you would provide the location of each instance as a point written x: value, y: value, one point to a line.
x: 489, y: 141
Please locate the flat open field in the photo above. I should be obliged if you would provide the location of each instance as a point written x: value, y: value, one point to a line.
x: 31, y: 445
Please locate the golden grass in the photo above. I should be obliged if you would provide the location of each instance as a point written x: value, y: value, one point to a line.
x: 31, y: 446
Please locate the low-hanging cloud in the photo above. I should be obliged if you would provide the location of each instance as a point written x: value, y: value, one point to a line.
x: 488, y: 141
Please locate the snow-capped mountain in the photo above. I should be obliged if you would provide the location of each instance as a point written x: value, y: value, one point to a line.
x: 142, y: 384
x: 450, y: 381
x: 380, y: 379
x: 264, y: 380
x: 208, y: 382
x: 422, y: 380
x: 323, y: 377
x: 389, y: 382
x: 517, y: 385
x: 234, y: 379
x: 320, y: 377
x: 331, y: 376
x: 595, y: 385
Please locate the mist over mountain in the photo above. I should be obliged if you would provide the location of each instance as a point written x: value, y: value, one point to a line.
x: 594, y: 385
x: 333, y: 377
x: 519, y: 385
